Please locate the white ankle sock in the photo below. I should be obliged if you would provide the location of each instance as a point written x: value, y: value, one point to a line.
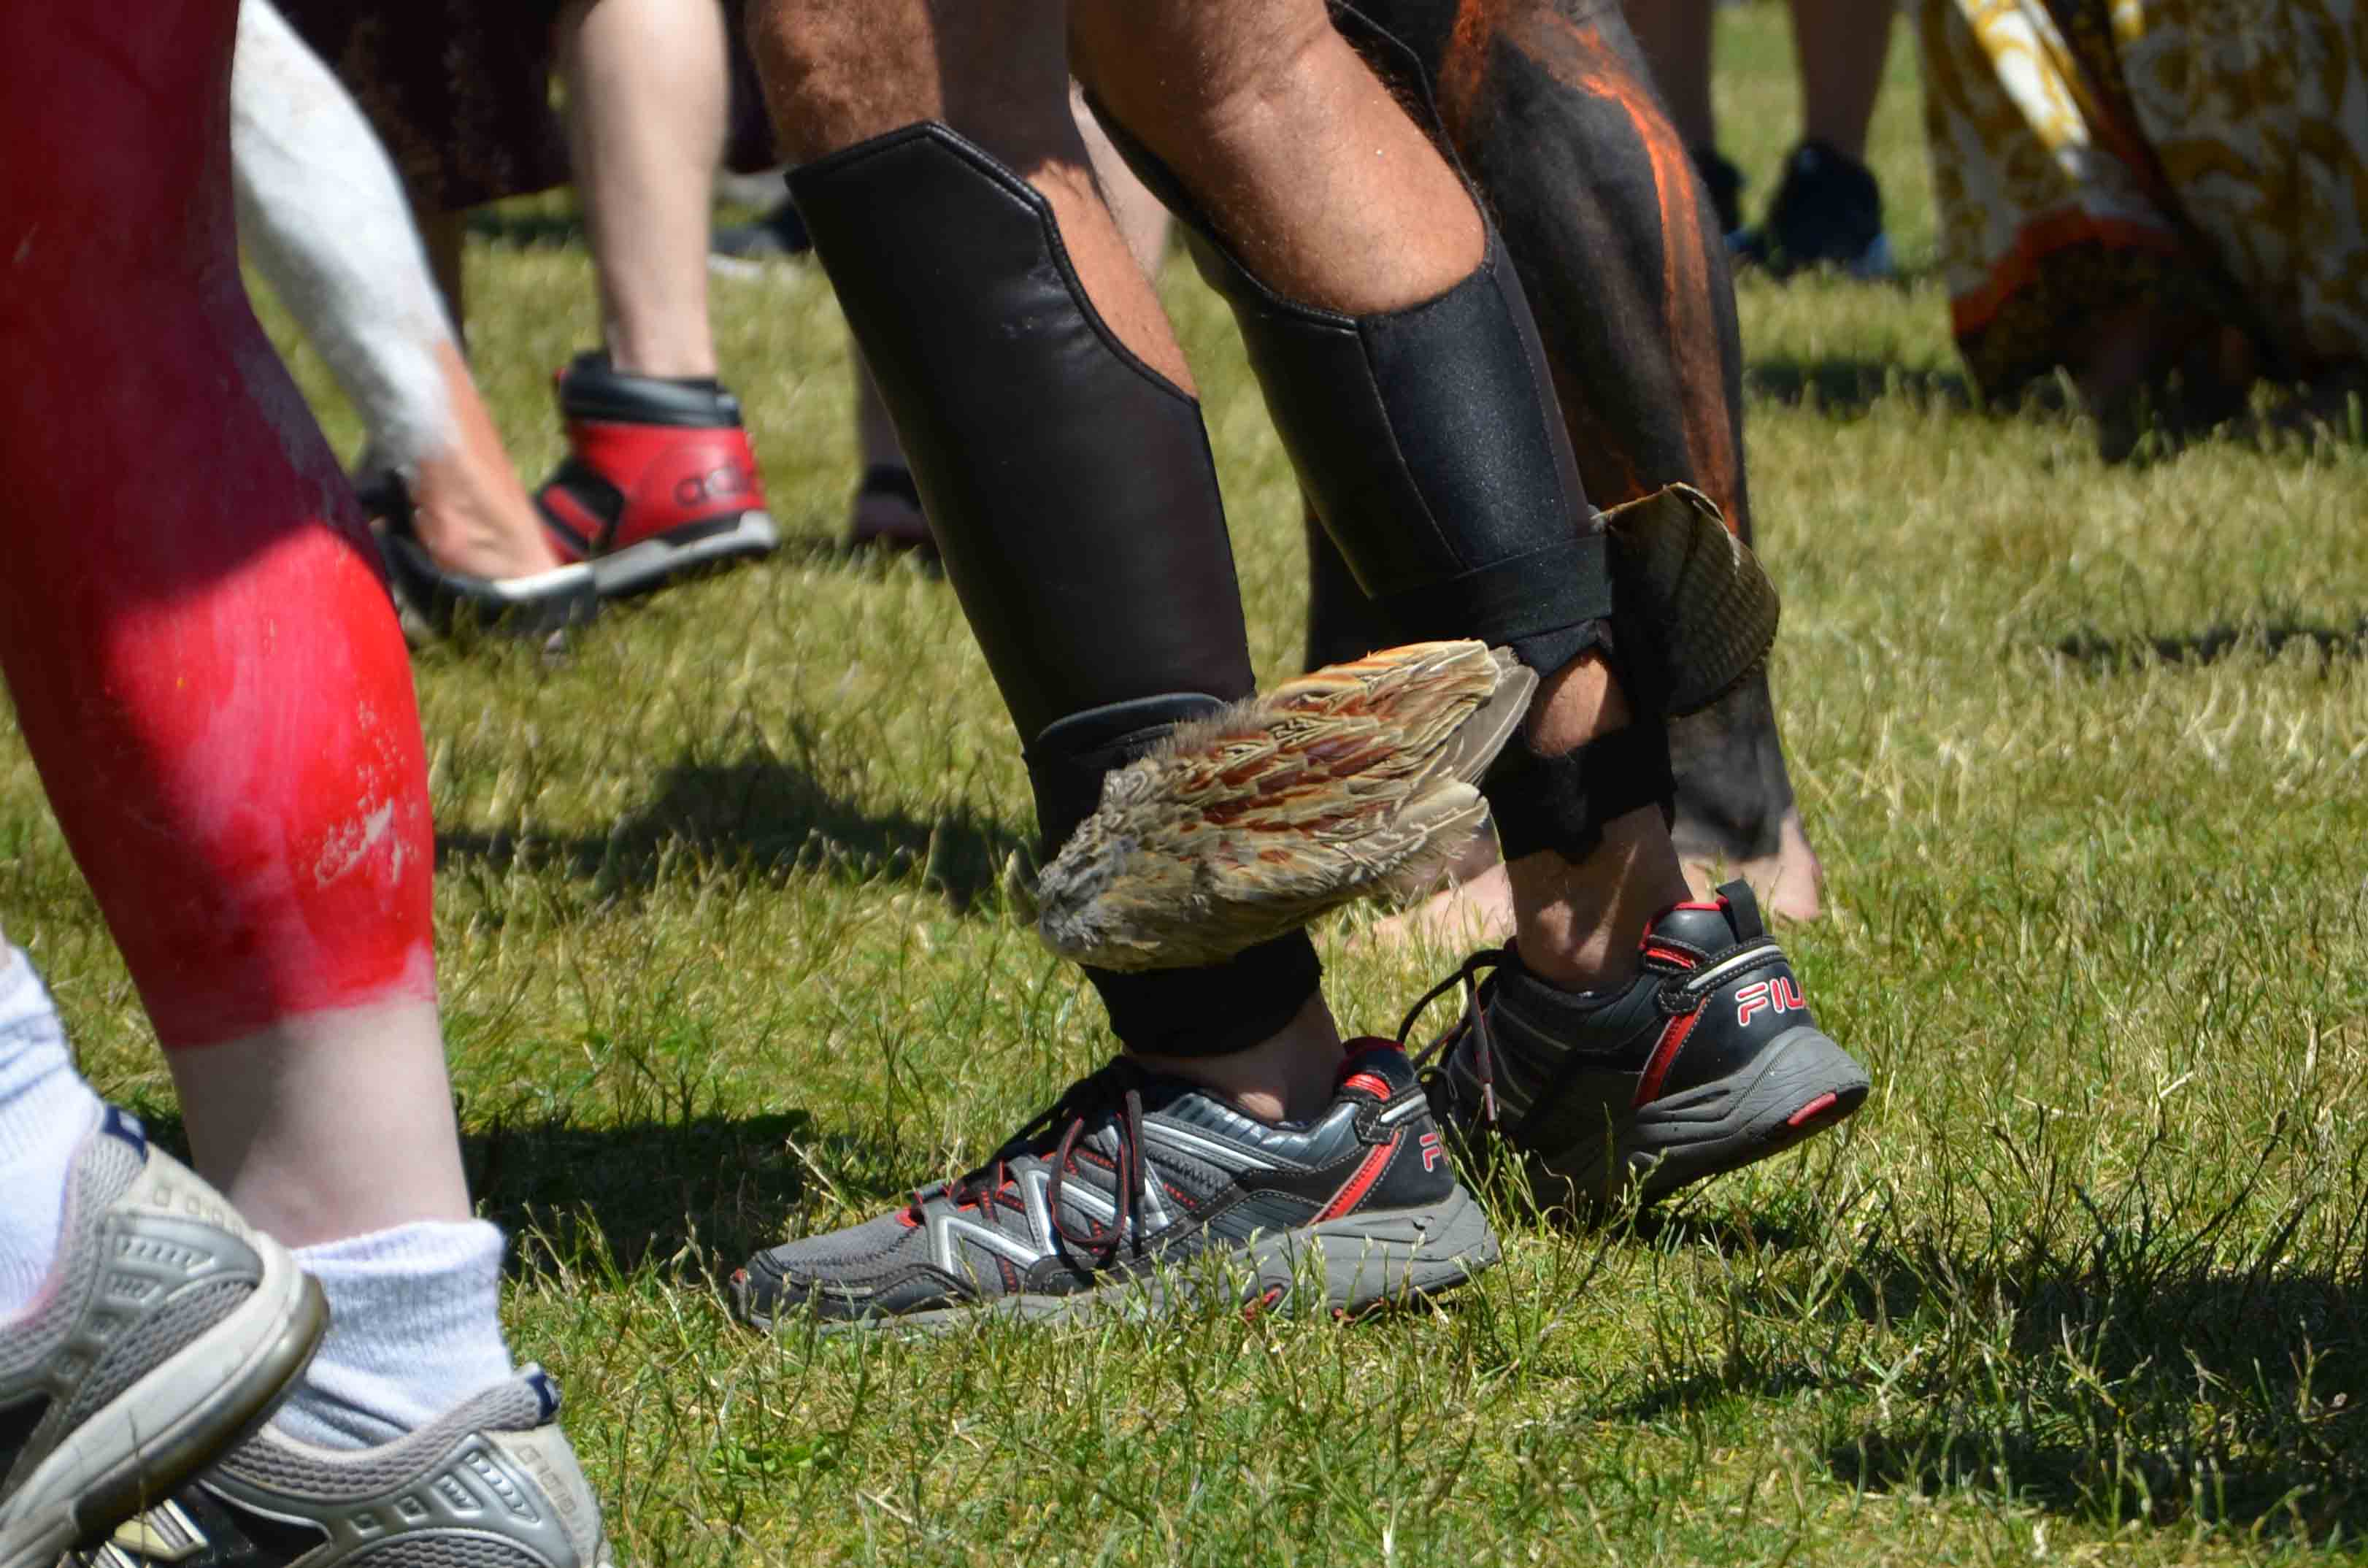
x: 414, y: 1331
x: 46, y: 1110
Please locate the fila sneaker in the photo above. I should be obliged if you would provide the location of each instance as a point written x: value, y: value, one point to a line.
x: 1706, y: 1061
x: 1131, y: 1171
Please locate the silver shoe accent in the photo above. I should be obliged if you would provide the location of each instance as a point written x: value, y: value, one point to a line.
x: 494, y: 1484
x: 167, y: 1330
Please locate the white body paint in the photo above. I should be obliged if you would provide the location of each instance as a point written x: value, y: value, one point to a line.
x: 323, y: 216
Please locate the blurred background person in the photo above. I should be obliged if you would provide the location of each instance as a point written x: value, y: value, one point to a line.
x: 660, y: 477
x: 1827, y: 208
x: 323, y: 217
x: 2144, y: 197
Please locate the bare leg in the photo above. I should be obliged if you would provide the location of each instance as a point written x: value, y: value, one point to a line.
x: 256, y: 1127
x: 444, y: 235
x: 1841, y: 46
x: 647, y: 86
x: 1675, y: 37
x: 1335, y: 199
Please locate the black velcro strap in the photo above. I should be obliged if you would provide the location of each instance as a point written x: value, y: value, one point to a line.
x: 1216, y: 1010
x: 1562, y: 802
x: 1558, y: 586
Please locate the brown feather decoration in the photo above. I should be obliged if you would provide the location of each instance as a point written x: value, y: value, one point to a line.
x: 1358, y: 779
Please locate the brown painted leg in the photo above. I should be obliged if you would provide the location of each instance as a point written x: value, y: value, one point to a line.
x: 1548, y: 105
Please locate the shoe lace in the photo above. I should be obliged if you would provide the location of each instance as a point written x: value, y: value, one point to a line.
x: 1105, y: 1096
x: 1474, y: 1024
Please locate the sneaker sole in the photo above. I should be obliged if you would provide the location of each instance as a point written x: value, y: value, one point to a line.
x: 172, y: 1422
x: 654, y: 562
x: 1802, y: 1084
x: 1367, y: 1260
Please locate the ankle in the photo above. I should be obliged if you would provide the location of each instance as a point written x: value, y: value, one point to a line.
x: 1579, y: 925
x: 1288, y: 1076
x: 414, y: 1330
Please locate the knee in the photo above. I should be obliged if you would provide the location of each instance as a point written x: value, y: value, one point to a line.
x: 840, y: 72
x: 1191, y: 80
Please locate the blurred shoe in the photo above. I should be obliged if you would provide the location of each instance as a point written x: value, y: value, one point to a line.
x: 441, y: 603
x: 887, y: 512
x: 495, y: 1484
x: 1706, y: 1061
x: 660, y: 479
x: 1131, y: 1171
x: 780, y: 234
x: 1827, y: 211
x: 167, y: 1331
x: 1723, y: 181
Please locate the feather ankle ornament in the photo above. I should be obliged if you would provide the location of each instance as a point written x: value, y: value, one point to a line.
x: 1359, y: 778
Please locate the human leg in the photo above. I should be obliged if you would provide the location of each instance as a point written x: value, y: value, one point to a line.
x: 1592, y: 872
x: 1624, y: 267
x: 646, y: 89
x: 1829, y: 207
x: 1046, y: 411
x: 1287, y: 138
x: 219, y: 702
x: 324, y: 217
x: 662, y: 479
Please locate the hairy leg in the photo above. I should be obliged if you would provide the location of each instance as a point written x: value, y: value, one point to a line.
x: 1330, y: 196
x: 1623, y: 265
x: 647, y: 81
x: 1100, y: 502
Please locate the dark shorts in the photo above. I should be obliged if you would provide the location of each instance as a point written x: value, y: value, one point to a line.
x: 461, y: 92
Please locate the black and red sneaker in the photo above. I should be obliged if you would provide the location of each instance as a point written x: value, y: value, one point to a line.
x: 1707, y: 1061
x: 659, y: 479
x: 1136, y: 1188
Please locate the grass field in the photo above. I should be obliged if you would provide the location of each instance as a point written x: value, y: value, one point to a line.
x: 2082, y: 748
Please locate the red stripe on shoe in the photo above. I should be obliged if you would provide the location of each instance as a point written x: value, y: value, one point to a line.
x: 1353, y: 1190
x: 1648, y: 1088
x: 1814, y: 1109
x: 1372, y: 1083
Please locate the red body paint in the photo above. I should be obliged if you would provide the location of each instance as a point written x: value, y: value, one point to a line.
x: 192, y: 623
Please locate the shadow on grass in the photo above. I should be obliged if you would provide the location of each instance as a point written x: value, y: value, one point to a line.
x: 2222, y: 1398
x: 643, y: 1192
x: 766, y: 816
x: 2129, y: 650
x: 1847, y: 385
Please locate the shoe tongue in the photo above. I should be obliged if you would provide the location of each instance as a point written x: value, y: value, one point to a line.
x: 1703, y: 928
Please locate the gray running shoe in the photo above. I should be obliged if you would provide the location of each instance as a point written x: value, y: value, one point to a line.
x: 167, y: 1331
x: 1706, y: 1061
x: 1129, y: 1172
x: 492, y: 1485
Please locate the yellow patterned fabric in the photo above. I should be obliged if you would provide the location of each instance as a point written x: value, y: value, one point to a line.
x: 2198, y: 154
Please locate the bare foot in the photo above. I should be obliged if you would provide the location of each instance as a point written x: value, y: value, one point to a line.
x: 471, y: 526
x: 1476, y: 910
x: 469, y: 510
x: 1790, y: 884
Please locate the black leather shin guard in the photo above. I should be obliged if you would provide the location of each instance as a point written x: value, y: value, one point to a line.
x: 1428, y: 443
x: 1074, y: 500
